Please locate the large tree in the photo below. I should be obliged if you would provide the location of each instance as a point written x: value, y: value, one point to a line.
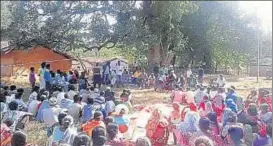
x: 215, y: 33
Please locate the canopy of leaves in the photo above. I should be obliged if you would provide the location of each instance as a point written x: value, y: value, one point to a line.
x: 215, y: 33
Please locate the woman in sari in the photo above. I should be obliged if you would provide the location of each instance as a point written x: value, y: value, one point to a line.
x: 120, y: 118
x: 113, y: 138
x: 252, y: 117
x: 157, y: 129
x: 187, y: 128
x: 95, y: 122
x: 264, y: 114
x: 214, y: 125
x: 6, y: 135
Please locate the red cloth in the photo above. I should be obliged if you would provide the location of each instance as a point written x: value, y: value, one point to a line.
x: 193, y: 107
x: 6, y: 135
x: 202, y: 106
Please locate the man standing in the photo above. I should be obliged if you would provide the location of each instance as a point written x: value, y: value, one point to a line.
x: 200, y: 75
x: 97, y: 76
x: 41, y: 72
x: 119, y: 72
x: 106, y: 73
x: 156, y: 70
x: 189, y: 73
x: 221, y: 81
x: 47, y: 77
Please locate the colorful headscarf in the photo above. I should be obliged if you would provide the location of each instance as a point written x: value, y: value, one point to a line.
x: 232, y: 105
x: 192, y: 107
x: 252, y: 110
x: 190, y: 124
x: 226, y: 115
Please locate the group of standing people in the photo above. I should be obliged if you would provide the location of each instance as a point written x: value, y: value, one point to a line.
x: 116, y: 76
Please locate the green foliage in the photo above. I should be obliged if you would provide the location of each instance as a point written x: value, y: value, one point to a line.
x: 215, y: 33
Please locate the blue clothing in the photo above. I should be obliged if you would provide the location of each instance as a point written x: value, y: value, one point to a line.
x: 99, y: 100
x: 65, y: 103
x: 87, y: 112
x: 21, y: 104
x: 232, y: 96
x: 47, y: 76
x: 44, y: 105
x: 230, y: 104
x: 82, y: 84
x: 57, y: 134
x: 69, y: 77
x: 121, y: 120
x: 200, y: 72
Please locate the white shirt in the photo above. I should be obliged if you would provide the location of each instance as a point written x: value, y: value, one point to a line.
x: 32, y: 107
x: 60, y: 96
x: 119, y: 70
x: 199, y: 96
x: 189, y: 72
x: 109, y: 106
x: 50, y: 115
x: 71, y: 94
x: 107, y: 70
x: 9, y: 99
x: 32, y: 96
x: 221, y: 82
x: 212, y: 94
x: 74, y: 111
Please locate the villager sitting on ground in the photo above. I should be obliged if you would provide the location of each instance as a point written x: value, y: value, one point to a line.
x: 95, y: 122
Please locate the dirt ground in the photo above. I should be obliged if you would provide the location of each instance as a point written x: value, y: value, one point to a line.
x: 36, y: 131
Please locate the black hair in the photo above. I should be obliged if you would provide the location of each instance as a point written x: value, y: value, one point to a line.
x: 97, y: 115
x: 36, y: 89
x: 82, y: 140
x: 32, y: 69
x: 76, y: 98
x: 6, y: 93
x: 66, y: 95
x: 12, y: 87
x: 13, y: 105
x: 59, y: 88
x: 9, y: 122
x: 102, y: 93
x: 98, y: 136
x: 6, y: 87
x: 90, y: 100
x: 18, y: 139
x: 20, y: 90
x: 53, y: 75
x: 61, y: 117
x: 47, y: 66
x: 3, y: 97
x: 71, y: 87
x: 71, y: 72
x: 58, y: 71
x: 112, y: 130
x: 18, y: 95
x: 204, y: 124
x: 108, y: 120
x: 92, y: 88
x: 236, y: 133
x: 43, y: 64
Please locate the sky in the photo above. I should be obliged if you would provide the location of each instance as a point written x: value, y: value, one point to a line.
x: 263, y: 9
